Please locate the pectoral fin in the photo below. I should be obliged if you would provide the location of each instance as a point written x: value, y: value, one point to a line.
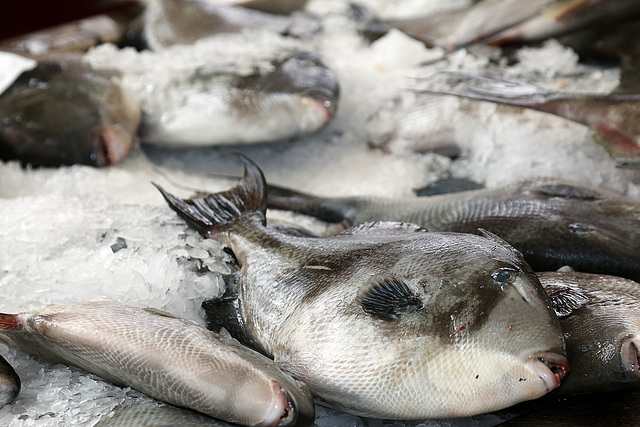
x: 388, y: 298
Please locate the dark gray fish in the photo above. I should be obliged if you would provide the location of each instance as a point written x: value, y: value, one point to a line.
x: 551, y: 222
x: 384, y: 320
x: 612, y: 116
x: 171, y: 22
x: 9, y: 383
x: 65, y: 113
x: 167, y: 358
x: 600, y: 319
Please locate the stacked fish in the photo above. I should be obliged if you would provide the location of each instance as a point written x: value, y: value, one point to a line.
x: 415, y: 308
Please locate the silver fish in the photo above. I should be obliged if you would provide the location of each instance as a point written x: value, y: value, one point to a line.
x: 171, y: 22
x: 64, y: 113
x: 500, y: 22
x: 9, y: 383
x: 298, y: 97
x: 600, y: 318
x: 610, y: 116
x: 165, y: 357
x: 551, y: 222
x: 384, y: 320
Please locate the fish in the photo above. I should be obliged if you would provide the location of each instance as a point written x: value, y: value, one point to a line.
x: 172, y: 22
x: 299, y: 96
x: 149, y: 413
x: 600, y: 319
x: 501, y: 22
x: 552, y: 222
x: 64, y: 113
x: 384, y: 320
x: 610, y: 116
x: 9, y: 383
x: 165, y: 357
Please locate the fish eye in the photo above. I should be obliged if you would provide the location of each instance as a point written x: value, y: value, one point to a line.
x: 504, y: 275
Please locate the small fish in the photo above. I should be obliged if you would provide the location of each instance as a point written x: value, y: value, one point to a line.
x: 171, y: 22
x: 65, y: 113
x: 9, y: 383
x: 551, y: 222
x: 298, y: 97
x: 384, y: 320
x: 165, y: 357
x: 600, y: 318
x: 610, y: 116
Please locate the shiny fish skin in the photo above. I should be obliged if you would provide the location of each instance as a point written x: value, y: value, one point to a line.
x: 552, y: 222
x: 9, y: 383
x: 600, y: 318
x: 474, y: 320
x: 64, y: 113
x: 165, y: 357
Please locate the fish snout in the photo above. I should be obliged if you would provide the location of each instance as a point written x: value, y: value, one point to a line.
x: 550, y: 367
x: 112, y: 144
x: 284, y: 411
x: 630, y: 355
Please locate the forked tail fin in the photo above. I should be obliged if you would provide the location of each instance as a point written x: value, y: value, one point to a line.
x: 210, y: 212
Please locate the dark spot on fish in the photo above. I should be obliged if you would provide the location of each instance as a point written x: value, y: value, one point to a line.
x: 477, y: 376
x: 522, y: 379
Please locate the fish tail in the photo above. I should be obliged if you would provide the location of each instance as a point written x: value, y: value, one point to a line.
x: 211, y: 212
x: 9, y: 322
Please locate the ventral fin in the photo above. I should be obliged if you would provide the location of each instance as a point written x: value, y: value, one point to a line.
x: 388, y: 298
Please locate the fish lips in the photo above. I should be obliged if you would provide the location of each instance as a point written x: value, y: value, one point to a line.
x: 286, y: 411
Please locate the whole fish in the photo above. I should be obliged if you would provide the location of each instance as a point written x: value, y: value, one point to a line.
x: 610, y: 116
x: 551, y: 222
x: 298, y: 97
x: 600, y: 318
x: 171, y: 22
x: 500, y: 22
x: 9, y: 383
x: 384, y: 320
x: 165, y: 357
x: 64, y: 113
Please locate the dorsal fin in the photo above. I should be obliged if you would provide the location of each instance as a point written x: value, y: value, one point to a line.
x: 565, y: 300
x: 388, y: 298
x: 567, y: 191
x: 158, y: 312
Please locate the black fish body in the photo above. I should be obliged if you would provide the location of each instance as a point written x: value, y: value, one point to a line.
x: 385, y: 320
x: 551, y: 222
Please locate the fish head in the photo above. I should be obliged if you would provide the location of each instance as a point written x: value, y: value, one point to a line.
x: 499, y: 341
x: 305, y: 73
x: 601, y: 324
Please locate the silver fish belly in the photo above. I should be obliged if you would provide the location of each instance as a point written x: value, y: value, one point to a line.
x: 552, y: 222
x: 168, y: 358
x: 600, y: 318
x: 387, y: 320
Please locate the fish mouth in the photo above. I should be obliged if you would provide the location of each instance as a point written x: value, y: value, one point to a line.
x: 550, y: 367
x: 284, y: 411
x: 630, y: 355
x: 113, y: 144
